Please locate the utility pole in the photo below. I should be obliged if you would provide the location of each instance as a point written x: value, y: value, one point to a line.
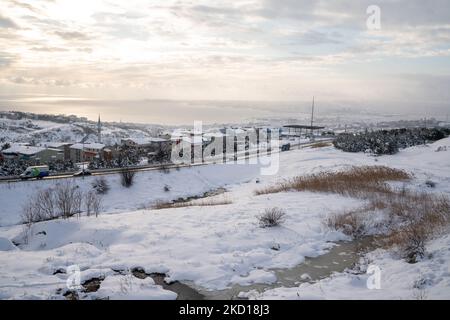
x: 312, y: 118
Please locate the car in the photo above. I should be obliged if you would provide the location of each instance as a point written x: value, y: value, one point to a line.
x: 286, y: 147
x: 35, y: 172
x: 82, y: 173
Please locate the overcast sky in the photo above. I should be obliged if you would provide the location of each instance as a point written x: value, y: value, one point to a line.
x: 227, y: 50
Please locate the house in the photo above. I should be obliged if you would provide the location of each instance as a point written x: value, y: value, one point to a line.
x: 63, y: 146
x: 151, y: 144
x: 31, y: 153
x: 81, y: 152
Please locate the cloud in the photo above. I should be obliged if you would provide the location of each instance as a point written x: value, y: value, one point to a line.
x: 7, y: 23
x: 272, y: 49
x: 71, y: 35
x: 6, y: 59
x: 48, y: 49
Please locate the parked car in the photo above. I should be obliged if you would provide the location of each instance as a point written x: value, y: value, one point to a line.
x: 82, y: 173
x: 286, y: 147
x: 35, y: 172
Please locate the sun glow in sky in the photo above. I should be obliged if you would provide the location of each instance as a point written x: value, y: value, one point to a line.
x: 266, y: 50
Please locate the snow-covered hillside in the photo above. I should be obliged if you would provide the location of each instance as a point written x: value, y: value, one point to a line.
x: 40, y: 131
x: 215, y: 247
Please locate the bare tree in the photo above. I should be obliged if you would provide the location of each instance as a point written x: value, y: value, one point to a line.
x: 93, y: 203
x: 40, y: 207
x: 68, y: 199
x: 127, y: 177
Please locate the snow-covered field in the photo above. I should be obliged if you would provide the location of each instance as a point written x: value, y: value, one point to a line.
x: 215, y: 246
x: 147, y: 190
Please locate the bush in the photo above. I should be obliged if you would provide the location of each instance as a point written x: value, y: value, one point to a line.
x: 101, y: 185
x: 271, y: 217
x: 430, y: 184
x: 93, y: 203
x: 62, y: 201
x: 165, y: 169
x: 68, y: 199
x: 411, y: 241
x: 127, y: 176
x: 388, y: 141
x: 166, y: 188
x: 350, y: 223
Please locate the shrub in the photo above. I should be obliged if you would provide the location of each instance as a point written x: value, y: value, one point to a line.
x: 101, y: 185
x: 165, y: 169
x: 40, y: 207
x: 93, y: 203
x: 127, y: 177
x: 430, y: 184
x: 271, y: 217
x: 350, y: 223
x: 388, y: 141
x: 62, y: 201
x: 166, y: 188
x: 68, y: 199
x: 410, y: 241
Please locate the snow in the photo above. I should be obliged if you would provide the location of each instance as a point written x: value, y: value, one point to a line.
x: 92, y: 146
x: 214, y: 247
x: 127, y: 287
x: 426, y: 279
x: 26, y: 150
x: 145, y: 141
x: 55, y: 145
x: 6, y: 245
x: 147, y: 190
x: 255, y: 276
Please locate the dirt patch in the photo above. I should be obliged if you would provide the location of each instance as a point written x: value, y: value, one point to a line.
x: 92, y: 285
x: 89, y: 286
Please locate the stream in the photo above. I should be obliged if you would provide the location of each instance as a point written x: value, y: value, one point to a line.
x: 342, y: 256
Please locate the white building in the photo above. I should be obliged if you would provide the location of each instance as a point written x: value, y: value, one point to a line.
x: 81, y: 152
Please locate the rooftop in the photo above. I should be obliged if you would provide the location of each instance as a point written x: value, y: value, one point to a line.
x: 94, y: 146
x: 25, y: 150
x: 143, y: 141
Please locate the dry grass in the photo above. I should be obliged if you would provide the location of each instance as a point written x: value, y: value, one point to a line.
x: 355, y: 182
x: 409, y: 218
x: 204, y: 203
x: 321, y: 145
x: 351, y: 223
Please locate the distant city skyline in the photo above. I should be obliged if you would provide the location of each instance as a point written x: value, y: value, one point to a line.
x: 124, y: 55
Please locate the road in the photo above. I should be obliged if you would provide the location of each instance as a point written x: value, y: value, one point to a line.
x: 98, y: 172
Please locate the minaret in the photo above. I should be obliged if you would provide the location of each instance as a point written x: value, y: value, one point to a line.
x: 99, y: 130
x: 312, y: 117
